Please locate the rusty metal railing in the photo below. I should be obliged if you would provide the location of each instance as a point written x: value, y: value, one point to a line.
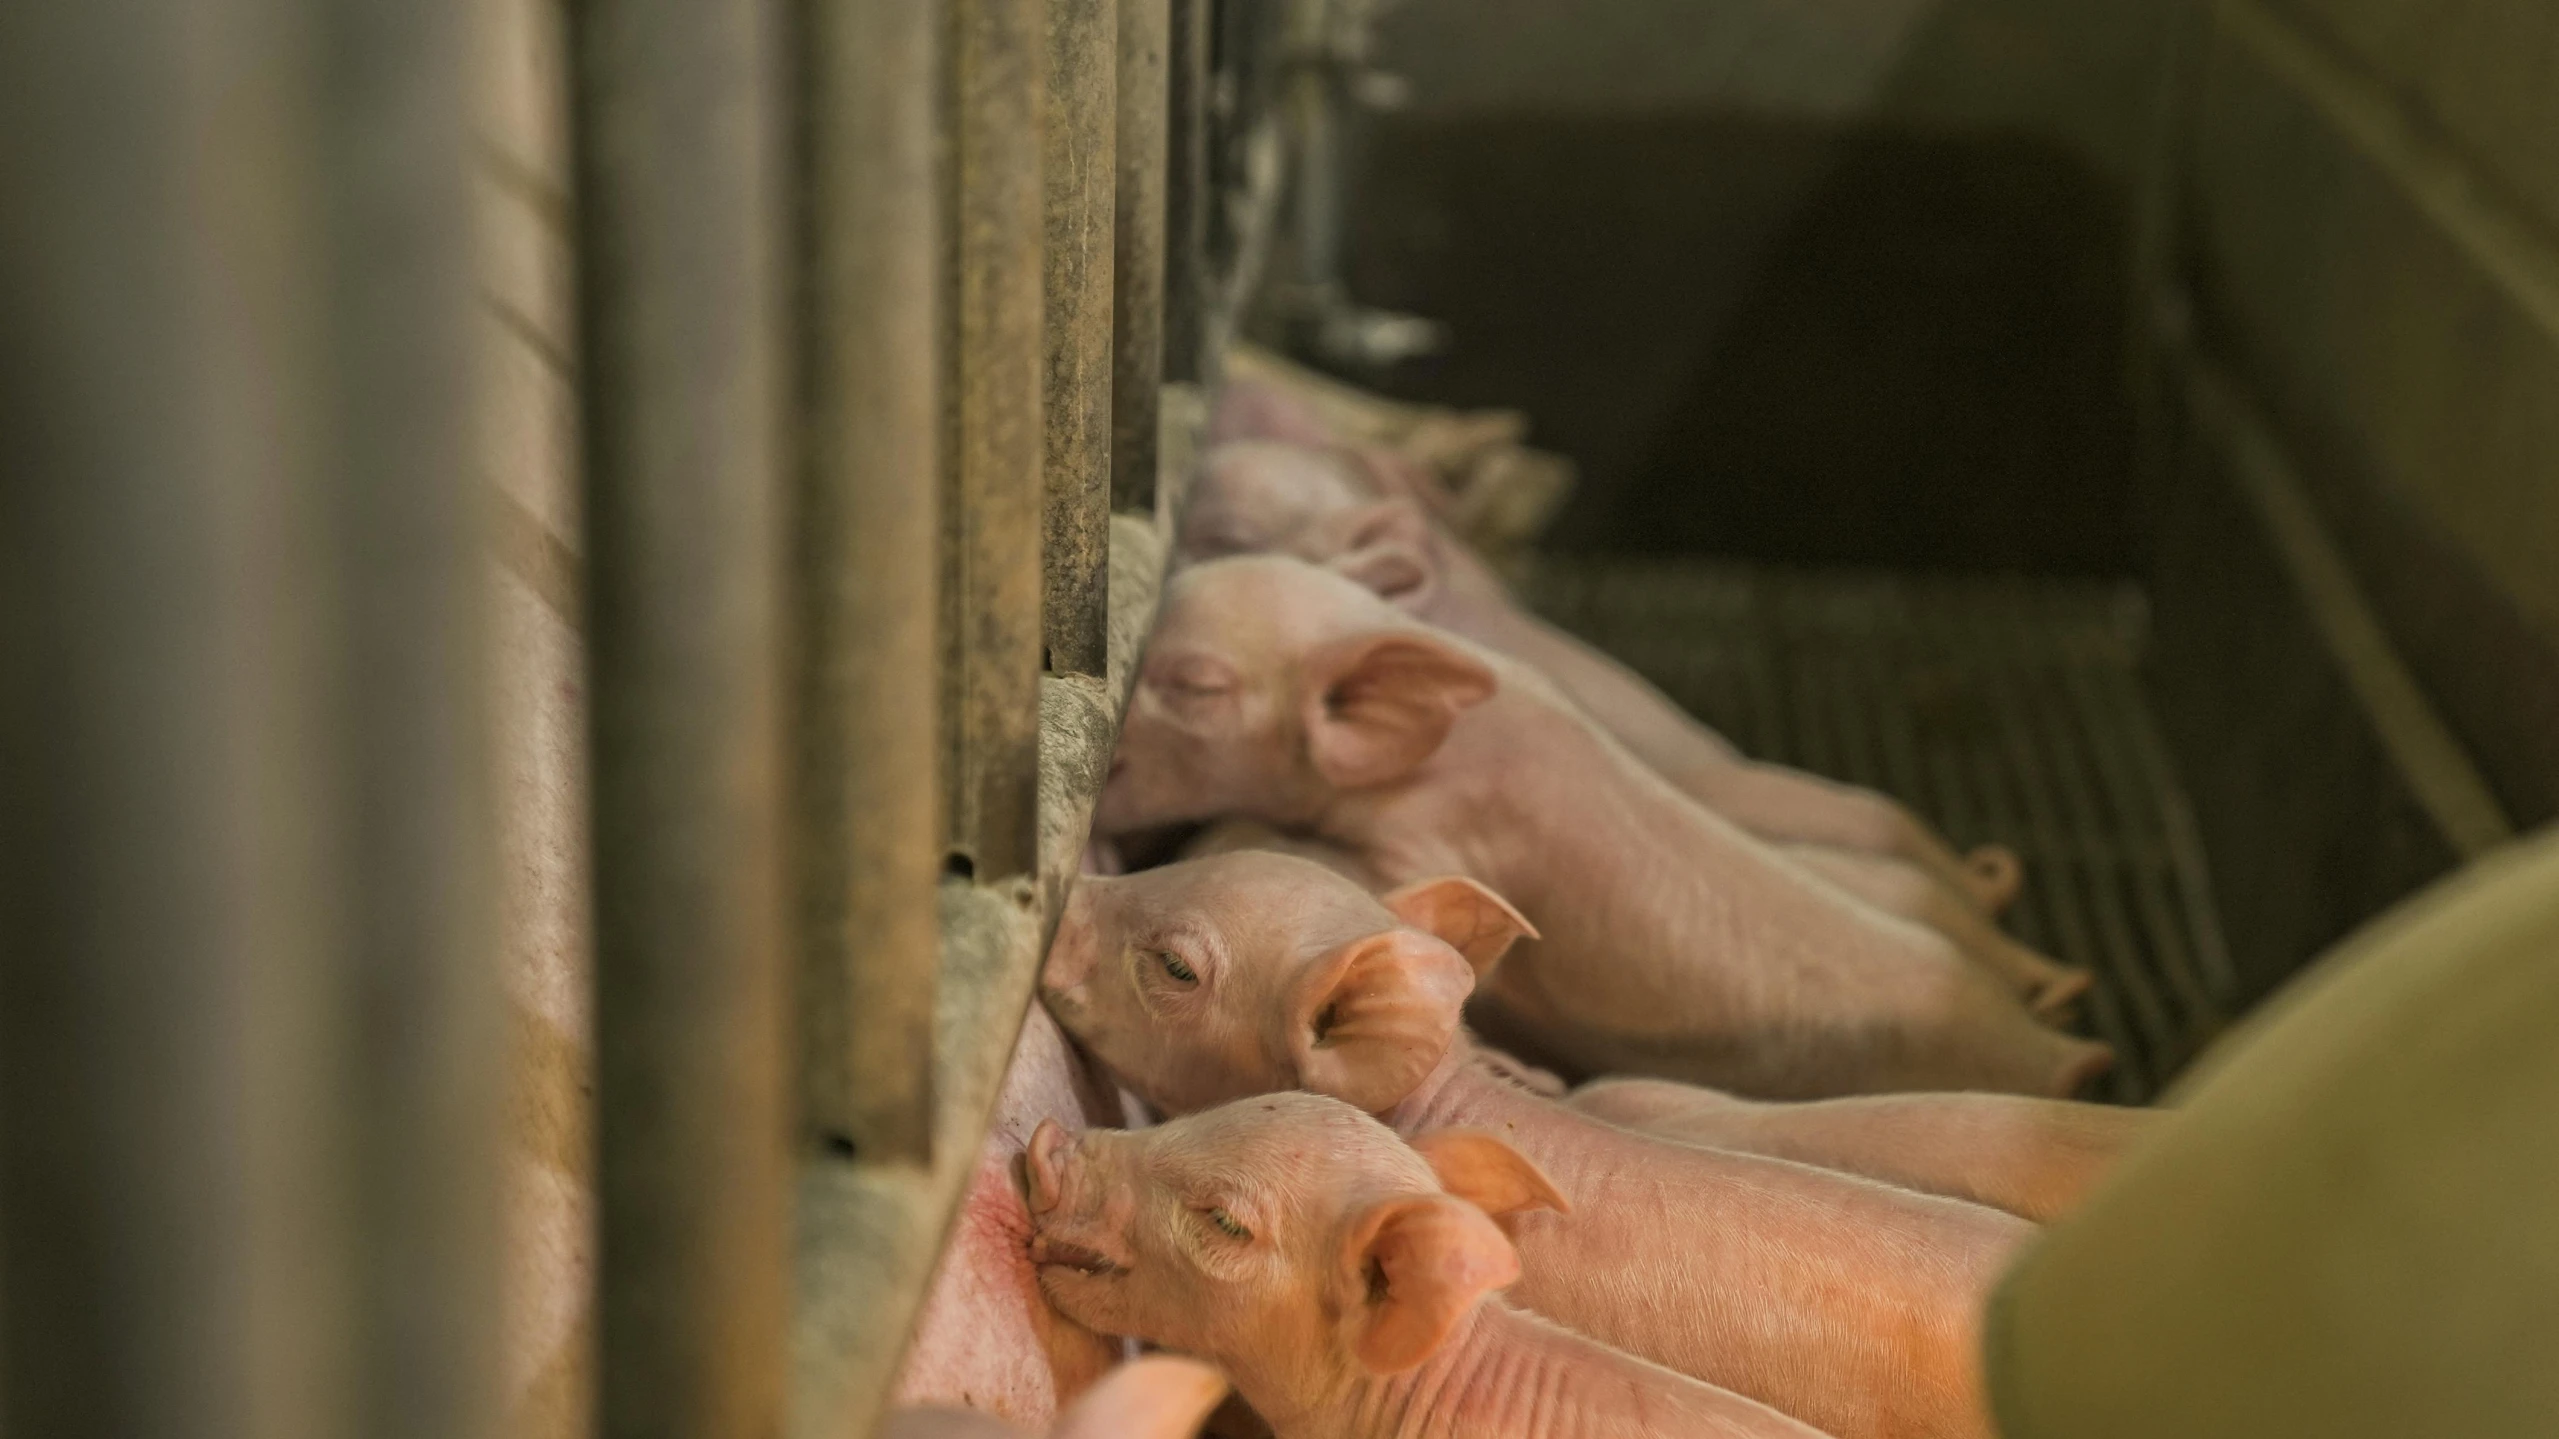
x: 692, y: 657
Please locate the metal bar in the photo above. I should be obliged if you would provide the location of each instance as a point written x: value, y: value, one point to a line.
x: 2512, y: 250
x: 2191, y: 877
x: 1890, y: 682
x: 1079, y: 164
x: 2160, y: 241
x: 866, y: 796
x: 2140, y: 809
x: 2445, y: 781
x: 1763, y: 666
x: 994, y: 507
x: 1313, y: 101
x: 1800, y: 651
x: 678, y: 215
x: 1187, y: 197
x: 1137, y: 270
x: 175, y: 1228
x: 428, y: 1046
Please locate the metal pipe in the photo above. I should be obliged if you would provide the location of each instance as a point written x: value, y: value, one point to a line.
x: 2439, y: 772
x: 678, y: 213
x: 427, y: 1048
x: 1137, y: 271
x: 866, y: 795
x: 173, y: 1224
x: 1186, y: 192
x: 1078, y: 153
x: 994, y: 510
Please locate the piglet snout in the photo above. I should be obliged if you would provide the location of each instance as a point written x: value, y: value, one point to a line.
x: 1072, y: 954
x: 1044, y: 1164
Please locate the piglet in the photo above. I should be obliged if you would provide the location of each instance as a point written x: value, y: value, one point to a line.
x: 1158, y: 1397
x: 2031, y: 1157
x: 1847, y: 1303
x: 1325, y: 505
x: 1887, y: 884
x: 1343, y: 1279
x: 986, y: 1340
x: 2036, y: 1158
x: 1674, y: 945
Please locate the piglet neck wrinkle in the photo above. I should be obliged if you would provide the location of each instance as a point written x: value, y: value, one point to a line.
x: 1507, y: 1374
x: 1442, y: 1092
x: 1462, y: 1094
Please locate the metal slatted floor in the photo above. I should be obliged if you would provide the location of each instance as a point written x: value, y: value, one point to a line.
x: 2002, y: 709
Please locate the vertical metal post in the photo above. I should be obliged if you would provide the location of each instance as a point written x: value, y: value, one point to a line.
x: 1078, y: 159
x: 1240, y: 80
x: 865, y: 789
x: 994, y: 511
x: 427, y: 1051
x: 174, y: 1229
x: 1137, y: 275
x: 1186, y: 194
x: 678, y: 218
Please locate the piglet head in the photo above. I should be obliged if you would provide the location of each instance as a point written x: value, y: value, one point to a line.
x: 1261, y: 497
x: 1270, y: 688
x: 1389, y: 547
x: 1246, y: 973
x: 1358, y: 513
x: 1291, y: 1239
x: 1250, y: 408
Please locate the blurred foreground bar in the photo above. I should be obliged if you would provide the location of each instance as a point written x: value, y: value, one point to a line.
x: 1137, y: 277
x: 868, y: 796
x: 675, y: 104
x: 247, y: 1179
x: 1079, y: 141
x: 991, y: 576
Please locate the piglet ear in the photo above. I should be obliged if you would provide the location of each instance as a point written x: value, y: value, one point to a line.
x: 1418, y: 1266
x: 1378, y: 705
x: 1397, y: 574
x: 1469, y: 918
x: 1387, y: 549
x: 1158, y: 1397
x: 1371, y: 1021
x: 1403, y: 476
x: 1488, y: 1174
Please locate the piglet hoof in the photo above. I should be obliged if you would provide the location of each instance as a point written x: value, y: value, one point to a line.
x: 1992, y: 875
x: 1158, y: 1397
x: 2056, y: 1000
x: 2080, y: 1073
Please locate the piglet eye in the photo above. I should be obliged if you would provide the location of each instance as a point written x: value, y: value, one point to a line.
x: 1196, y: 676
x: 1227, y: 1224
x: 1172, y: 965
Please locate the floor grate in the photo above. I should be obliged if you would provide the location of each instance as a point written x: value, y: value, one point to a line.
x: 2003, y: 709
